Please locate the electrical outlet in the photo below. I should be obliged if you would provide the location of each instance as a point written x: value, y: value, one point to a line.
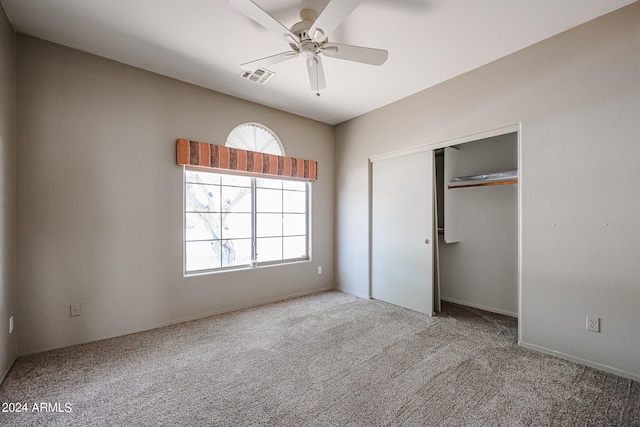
x: 319, y: 269
x: 75, y: 309
x: 593, y: 324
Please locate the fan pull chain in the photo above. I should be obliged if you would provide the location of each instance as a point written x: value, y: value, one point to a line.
x: 317, y: 79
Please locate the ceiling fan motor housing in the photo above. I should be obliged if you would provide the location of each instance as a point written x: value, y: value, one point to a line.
x: 301, y: 29
x: 307, y: 46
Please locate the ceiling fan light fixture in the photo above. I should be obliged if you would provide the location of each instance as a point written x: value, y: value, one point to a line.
x: 309, y: 49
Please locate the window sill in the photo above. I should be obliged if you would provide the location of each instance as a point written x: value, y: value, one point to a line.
x: 246, y: 267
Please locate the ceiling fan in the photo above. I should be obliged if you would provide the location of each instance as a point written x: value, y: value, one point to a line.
x: 309, y: 38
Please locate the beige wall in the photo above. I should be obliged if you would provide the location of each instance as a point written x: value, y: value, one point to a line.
x: 7, y: 190
x: 577, y: 96
x: 100, y: 199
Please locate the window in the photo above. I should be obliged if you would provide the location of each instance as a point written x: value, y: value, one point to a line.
x: 234, y: 221
x: 255, y: 137
x: 237, y: 221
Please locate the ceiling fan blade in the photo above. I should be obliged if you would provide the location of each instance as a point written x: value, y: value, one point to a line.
x: 365, y: 55
x: 255, y: 12
x: 332, y: 16
x: 316, y: 73
x: 269, y: 60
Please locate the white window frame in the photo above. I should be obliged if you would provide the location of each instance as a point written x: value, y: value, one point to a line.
x: 254, y: 263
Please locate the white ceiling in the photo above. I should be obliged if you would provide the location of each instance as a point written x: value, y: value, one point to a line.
x: 205, y: 41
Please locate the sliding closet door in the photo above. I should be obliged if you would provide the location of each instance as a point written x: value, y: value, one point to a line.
x: 402, y: 231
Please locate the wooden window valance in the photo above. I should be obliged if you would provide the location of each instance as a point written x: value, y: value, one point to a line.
x: 202, y: 154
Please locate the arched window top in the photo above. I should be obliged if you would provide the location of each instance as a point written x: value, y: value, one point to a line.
x: 255, y: 137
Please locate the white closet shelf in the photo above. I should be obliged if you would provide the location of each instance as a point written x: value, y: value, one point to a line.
x: 498, y: 178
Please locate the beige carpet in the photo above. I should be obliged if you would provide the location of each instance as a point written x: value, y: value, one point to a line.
x: 325, y: 360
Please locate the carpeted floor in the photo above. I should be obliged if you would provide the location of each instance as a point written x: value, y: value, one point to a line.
x: 324, y: 360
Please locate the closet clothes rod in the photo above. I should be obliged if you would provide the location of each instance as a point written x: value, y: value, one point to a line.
x: 483, y: 184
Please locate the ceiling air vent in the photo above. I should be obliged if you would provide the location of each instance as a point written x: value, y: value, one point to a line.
x: 259, y: 76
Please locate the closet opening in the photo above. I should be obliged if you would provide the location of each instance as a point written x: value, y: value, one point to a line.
x: 477, y: 211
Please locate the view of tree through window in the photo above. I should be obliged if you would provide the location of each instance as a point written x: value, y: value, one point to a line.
x: 235, y: 221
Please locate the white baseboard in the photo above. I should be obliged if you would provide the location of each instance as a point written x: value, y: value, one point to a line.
x: 581, y: 361
x: 354, y: 293
x: 480, y: 307
x: 4, y: 374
